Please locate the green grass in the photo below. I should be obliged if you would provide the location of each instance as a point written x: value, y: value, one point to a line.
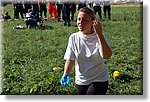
x: 30, y: 54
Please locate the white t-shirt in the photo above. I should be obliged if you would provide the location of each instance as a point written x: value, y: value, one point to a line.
x: 89, y: 65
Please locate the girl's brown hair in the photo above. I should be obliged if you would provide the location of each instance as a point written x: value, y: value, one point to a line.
x: 89, y: 11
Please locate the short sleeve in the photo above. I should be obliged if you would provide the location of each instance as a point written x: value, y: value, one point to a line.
x: 69, y: 54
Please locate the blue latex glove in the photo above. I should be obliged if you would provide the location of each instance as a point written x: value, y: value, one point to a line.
x: 65, y: 80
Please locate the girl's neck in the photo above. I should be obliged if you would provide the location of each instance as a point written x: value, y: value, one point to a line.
x: 88, y: 33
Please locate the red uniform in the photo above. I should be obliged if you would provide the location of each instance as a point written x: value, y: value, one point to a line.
x: 52, y: 9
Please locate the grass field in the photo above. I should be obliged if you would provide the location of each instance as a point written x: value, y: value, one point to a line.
x: 30, y: 54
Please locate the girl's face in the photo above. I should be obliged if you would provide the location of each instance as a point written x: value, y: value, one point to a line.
x: 84, y: 22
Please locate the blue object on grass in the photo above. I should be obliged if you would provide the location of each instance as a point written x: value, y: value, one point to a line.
x: 65, y: 80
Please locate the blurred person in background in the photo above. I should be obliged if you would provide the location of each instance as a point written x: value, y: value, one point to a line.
x: 66, y: 14
x: 107, y: 9
x: 59, y: 9
x: 43, y: 9
x: 52, y: 10
x: 18, y: 9
x: 27, y: 6
x: 72, y: 10
x: 35, y: 7
x: 97, y: 8
x: 82, y: 3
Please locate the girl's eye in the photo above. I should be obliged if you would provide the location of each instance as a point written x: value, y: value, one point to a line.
x: 83, y: 19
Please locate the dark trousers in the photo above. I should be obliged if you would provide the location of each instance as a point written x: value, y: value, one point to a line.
x: 107, y: 9
x: 59, y: 8
x: 35, y: 8
x: 72, y: 14
x: 45, y: 12
x: 98, y: 9
x: 43, y: 9
x: 17, y: 10
x: 27, y: 7
x: 95, y: 88
x: 66, y: 14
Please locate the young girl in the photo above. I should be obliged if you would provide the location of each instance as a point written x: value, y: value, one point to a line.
x: 87, y: 49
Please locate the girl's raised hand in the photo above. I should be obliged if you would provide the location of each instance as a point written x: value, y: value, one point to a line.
x: 97, y: 27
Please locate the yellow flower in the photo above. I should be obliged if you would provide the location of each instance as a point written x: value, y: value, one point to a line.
x: 57, y: 69
x: 116, y: 74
